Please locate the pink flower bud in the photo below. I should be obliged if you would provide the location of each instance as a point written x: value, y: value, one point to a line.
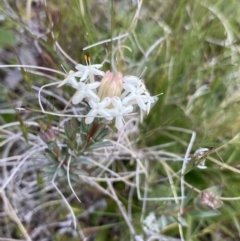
x: 46, y: 133
x: 111, y: 85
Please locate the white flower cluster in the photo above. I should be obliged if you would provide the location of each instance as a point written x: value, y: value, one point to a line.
x: 112, y: 97
x: 151, y: 223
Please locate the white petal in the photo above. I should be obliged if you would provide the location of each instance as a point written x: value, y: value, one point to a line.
x: 114, y: 112
x: 85, y: 75
x: 93, y: 103
x: 148, y: 106
x: 97, y: 66
x: 81, y: 67
x: 92, y: 95
x: 90, y: 116
x: 109, y: 118
x: 119, y: 123
x: 128, y: 98
x: 140, y: 89
x: 89, y: 119
x: 81, y: 86
x: 78, y: 97
x: 78, y: 74
x: 93, y: 85
x: 129, y: 87
x: 70, y: 79
x: 97, y: 72
x: 154, y: 99
x: 128, y: 109
x: 117, y: 102
x: 140, y: 103
x: 202, y: 166
x: 124, y: 94
x: 147, y: 99
x: 73, y: 82
x: 106, y: 114
x: 65, y: 81
x: 106, y: 102
x: 131, y: 79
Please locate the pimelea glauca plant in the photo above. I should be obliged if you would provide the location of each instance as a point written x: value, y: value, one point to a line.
x: 107, y: 98
x: 189, y: 48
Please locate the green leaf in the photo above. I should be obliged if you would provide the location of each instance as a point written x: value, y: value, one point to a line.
x: 51, y: 157
x: 80, y: 172
x: 83, y: 160
x: 50, y: 169
x: 74, y: 177
x: 61, y: 172
x: 70, y: 128
x: 23, y: 127
x: 7, y: 38
x: 27, y: 78
x: 81, y: 146
x: 99, y: 145
x: 205, y: 214
x: 183, y: 222
x: 162, y: 221
x: 101, y: 133
x: 188, y: 197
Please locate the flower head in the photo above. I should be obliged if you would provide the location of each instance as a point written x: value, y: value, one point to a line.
x: 211, y: 200
x: 113, y: 97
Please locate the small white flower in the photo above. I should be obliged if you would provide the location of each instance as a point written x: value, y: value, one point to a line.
x: 200, y: 152
x: 119, y: 111
x: 89, y: 71
x: 148, y: 100
x: 202, y: 164
x: 99, y: 108
x: 85, y: 90
x: 70, y: 79
x: 135, y: 94
x: 151, y: 222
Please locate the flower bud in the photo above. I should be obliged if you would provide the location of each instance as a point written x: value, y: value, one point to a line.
x: 70, y: 128
x: 111, y: 85
x: 46, y: 133
x: 209, y: 198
